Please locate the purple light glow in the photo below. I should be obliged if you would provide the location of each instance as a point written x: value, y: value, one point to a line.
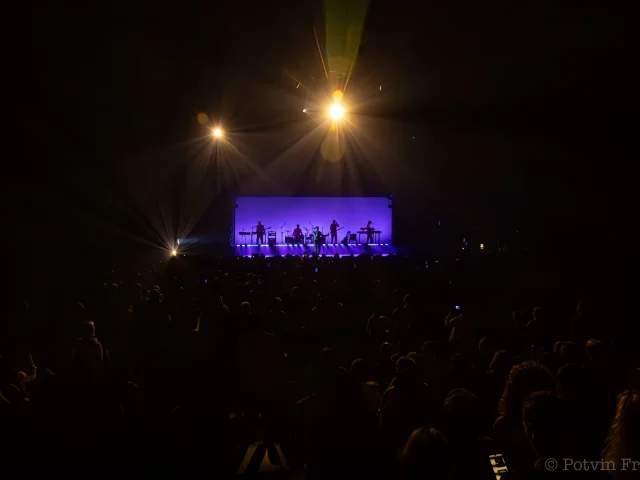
x: 352, y: 213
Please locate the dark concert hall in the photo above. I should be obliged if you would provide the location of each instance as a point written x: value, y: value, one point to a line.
x: 320, y: 239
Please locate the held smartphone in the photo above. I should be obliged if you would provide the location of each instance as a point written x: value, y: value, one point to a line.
x: 498, y: 465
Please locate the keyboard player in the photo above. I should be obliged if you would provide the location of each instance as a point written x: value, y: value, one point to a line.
x: 369, y: 229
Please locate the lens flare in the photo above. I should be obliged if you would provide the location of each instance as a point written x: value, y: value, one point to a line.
x: 216, y: 132
x: 336, y: 111
x: 334, y: 144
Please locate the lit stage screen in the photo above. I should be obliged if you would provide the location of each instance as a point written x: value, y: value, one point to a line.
x: 282, y: 214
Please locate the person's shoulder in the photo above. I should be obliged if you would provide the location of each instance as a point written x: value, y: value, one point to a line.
x: 500, y: 423
x: 86, y: 342
x: 388, y: 395
x: 424, y: 388
x: 264, y: 334
x: 486, y: 440
x: 389, y: 391
x: 306, y: 402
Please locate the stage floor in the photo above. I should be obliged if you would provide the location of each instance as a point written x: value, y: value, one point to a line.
x: 331, y: 249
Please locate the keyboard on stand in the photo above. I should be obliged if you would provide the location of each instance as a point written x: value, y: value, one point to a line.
x: 373, y: 232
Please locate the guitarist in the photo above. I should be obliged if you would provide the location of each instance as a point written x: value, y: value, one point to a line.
x: 260, y: 232
x: 333, y: 228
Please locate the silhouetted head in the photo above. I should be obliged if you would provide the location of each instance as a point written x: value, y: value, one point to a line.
x: 525, y: 378
x: 386, y: 349
x: 359, y: 370
x: 462, y: 410
x: 501, y: 361
x: 544, y: 420
x: 540, y: 314
x: 417, y: 357
x: 460, y: 363
x: 430, y: 349
x: 259, y: 222
x: 596, y: 351
x: 277, y: 304
x: 408, y: 301
x: 298, y: 225
x: 328, y: 358
x: 155, y: 294
x: 571, y: 352
x: 485, y: 347
x: 571, y: 382
x: 557, y: 347
x: 88, y: 329
x: 426, y: 455
x: 406, y: 373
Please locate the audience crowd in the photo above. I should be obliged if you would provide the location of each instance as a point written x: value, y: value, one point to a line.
x: 326, y: 367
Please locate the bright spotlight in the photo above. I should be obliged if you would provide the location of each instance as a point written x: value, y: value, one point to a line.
x: 216, y: 132
x: 174, y: 253
x: 304, y: 110
x: 336, y: 111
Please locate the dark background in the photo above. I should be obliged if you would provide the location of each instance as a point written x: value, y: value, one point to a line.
x: 493, y: 115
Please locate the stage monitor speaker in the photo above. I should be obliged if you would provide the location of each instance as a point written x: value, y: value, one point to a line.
x: 272, y: 242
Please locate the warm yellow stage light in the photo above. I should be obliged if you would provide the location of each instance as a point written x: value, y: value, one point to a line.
x: 336, y: 111
x: 174, y: 253
x: 217, y: 132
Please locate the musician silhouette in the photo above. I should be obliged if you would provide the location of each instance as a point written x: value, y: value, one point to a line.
x: 333, y: 228
x: 260, y: 233
x: 369, y: 231
x: 297, y: 235
x: 317, y: 236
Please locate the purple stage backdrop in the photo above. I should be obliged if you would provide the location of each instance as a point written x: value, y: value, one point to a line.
x: 284, y: 213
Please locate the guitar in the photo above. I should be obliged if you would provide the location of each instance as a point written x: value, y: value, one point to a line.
x: 265, y: 231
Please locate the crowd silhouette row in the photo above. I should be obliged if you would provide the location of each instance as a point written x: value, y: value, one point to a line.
x: 330, y: 367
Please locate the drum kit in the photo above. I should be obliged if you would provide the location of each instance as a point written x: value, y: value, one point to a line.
x: 287, y: 237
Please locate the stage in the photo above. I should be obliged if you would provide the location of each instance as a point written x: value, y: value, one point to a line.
x: 360, y: 225
x: 340, y: 249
